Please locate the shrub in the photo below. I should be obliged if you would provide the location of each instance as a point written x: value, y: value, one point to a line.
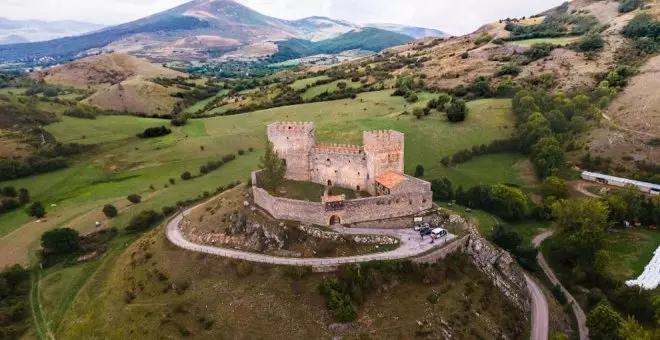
x: 8, y: 204
x: 418, y: 112
x: 243, y: 269
x: 509, y: 69
x: 109, y: 211
x: 186, y: 176
x: 630, y: 5
x: 538, y: 51
x: 241, y: 152
x: 79, y: 113
x: 154, y: 132
x: 179, y: 120
x: 465, y: 55
x: 143, y: 221
x: 61, y: 241
x: 134, y: 198
x: 591, y: 42
x: 37, y: 210
x: 419, y: 171
x: 457, y: 111
x: 433, y: 297
x: 482, y: 39
x: 9, y: 191
x: 23, y: 196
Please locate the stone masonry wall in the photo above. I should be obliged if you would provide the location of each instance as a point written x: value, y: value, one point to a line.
x: 293, y: 143
x: 343, y: 169
x: 385, y: 153
x: 355, y: 211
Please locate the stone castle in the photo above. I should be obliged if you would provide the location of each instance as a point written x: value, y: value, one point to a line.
x: 376, y: 168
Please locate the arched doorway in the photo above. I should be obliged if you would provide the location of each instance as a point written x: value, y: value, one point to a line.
x: 329, y: 183
x: 334, y: 220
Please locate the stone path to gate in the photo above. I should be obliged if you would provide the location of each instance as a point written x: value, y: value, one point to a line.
x: 411, y: 245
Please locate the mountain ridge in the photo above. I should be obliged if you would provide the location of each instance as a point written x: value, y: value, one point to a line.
x: 21, y: 31
x: 188, y: 32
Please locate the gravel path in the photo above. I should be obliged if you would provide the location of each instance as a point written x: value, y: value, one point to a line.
x: 411, y: 245
x: 540, y: 319
x: 579, y: 313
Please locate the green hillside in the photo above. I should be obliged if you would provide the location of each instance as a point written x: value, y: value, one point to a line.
x: 370, y: 39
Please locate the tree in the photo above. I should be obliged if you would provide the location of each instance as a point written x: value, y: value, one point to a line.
x: 419, y: 171
x: 418, y: 112
x: 273, y: 167
x: 505, y: 237
x: 9, y: 191
x: 457, y: 111
x: 109, y: 210
x: 536, y: 127
x: 143, y: 220
x: 557, y: 120
x: 558, y: 336
x: 631, y: 330
x: 508, y: 202
x: 37, y: 210
x: 23, y: 196
x: 341, y: 85
x: 580, y: 226
x: 548, y: 157
x: 60, y: 241
x: 134, y: 198
x: 442, y: 190
x: 604, y: 323
x: 186, y: 176
x: 442, y: 101
x: 555, y: 187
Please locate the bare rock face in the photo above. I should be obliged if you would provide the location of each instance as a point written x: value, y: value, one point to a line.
x: 502, y: 270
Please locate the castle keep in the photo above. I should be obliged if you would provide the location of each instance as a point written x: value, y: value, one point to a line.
x: 376, y: 167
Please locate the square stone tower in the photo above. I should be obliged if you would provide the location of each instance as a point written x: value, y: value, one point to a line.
x: 293, y: 143
x: 385, y: 152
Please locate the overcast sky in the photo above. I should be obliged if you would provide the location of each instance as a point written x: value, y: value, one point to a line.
x: 454, y: 16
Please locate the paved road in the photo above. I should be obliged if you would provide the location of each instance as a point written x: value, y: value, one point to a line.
x: 410, y: 246
x: 579, y: 313
x: 539, y: 311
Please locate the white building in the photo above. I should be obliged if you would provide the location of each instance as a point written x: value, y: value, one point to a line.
x: 648, y: 188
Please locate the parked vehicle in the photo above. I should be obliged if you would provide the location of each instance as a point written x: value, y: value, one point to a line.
x: 425, y: 232
x: 438, y: 233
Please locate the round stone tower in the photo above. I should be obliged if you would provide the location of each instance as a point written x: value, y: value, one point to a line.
x: 293, y: 142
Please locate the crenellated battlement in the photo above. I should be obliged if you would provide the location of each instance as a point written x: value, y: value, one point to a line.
x: 338, y: 148
x: 383, y: 140
x: 291, y: 127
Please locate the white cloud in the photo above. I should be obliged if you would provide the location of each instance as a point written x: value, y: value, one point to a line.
x: 454, y: 16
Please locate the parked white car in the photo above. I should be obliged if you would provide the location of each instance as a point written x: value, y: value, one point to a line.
x: 438, y: 233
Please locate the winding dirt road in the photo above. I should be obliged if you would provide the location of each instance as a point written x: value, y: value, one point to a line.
x: 579, y: 313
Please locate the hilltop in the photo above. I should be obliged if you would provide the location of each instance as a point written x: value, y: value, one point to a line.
x: 196, y: 30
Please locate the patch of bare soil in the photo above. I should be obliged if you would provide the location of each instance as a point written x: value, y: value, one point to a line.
x: 135, y: 95
x: 13, y: 147
x: 103, y: 69
x: 638, y: 106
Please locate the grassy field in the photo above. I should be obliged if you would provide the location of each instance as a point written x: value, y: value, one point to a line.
x: 302, y: 83
x: 331, y: 87
x: 557, y: 41
x: 312, y: 192
x: 501, y: 168
x: 122, y: 164
x: 202, y: 103
x: 630, y: 251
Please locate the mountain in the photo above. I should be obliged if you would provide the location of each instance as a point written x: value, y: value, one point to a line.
x: 415, y: 32
x: 21, y: 31
x: 196, y: 30
x: 369, y: 39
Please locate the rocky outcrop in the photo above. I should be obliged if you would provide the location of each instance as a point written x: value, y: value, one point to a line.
x: 343, y: 238
x: 501, y: 268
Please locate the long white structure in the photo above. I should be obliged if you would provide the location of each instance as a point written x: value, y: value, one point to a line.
x: 650, y: 278
x: 648, y: 188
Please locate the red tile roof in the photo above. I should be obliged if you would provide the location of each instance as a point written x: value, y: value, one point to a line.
x: 391, y: 179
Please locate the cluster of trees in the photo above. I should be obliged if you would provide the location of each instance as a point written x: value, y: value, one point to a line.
x: 65, y: 244
x: 49, y: 158
x: 547, y: 122
x: 153, y: 132
x: 604, y: 322
x: 557, y: 24
x: 632, y: 206
x: 508, y: 239
x: 13, y: 199
x: 645, y: 33
x: 456, y: 109
x: 577, y: 253
x: 273, y: 169
x: 210, y: 166
x: 14, y: 308
x: 79, y: 112
x: 505, y: 201
x: 47, y: 90
x: 496, y: 146
x: 407, y: 86
x: 143, y: 221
